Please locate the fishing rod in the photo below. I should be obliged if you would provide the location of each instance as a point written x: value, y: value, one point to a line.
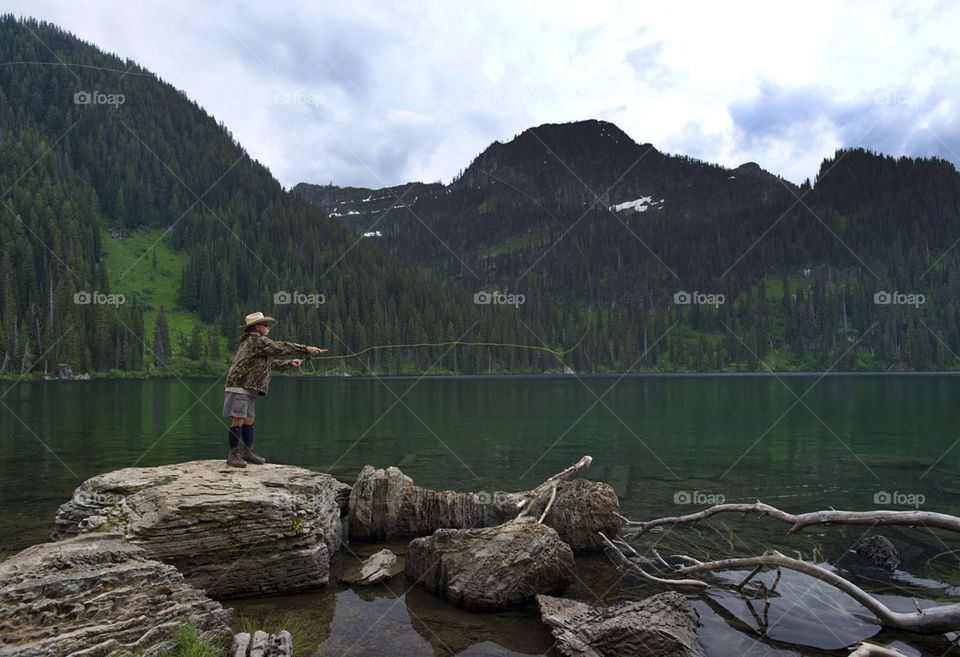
x: 556, y: 352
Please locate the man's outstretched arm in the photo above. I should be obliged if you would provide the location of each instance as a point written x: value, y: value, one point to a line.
x: 267, y: 347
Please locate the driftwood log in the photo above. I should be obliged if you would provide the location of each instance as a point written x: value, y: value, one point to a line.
x: 623, y: 561
x: 803, y: 520
x: 873, y: 650
x: 932, y: 620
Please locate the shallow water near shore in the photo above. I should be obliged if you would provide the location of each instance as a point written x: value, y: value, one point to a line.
x: 669, y: 445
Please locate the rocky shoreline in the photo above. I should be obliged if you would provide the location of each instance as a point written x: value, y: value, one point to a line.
x: 137, y: 551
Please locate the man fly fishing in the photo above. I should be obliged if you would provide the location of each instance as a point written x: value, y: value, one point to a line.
x: 249, y: 378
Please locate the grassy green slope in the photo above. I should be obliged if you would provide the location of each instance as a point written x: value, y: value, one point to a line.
x: 130, y: 268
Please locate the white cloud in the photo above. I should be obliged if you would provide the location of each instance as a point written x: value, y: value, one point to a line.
x: 370, y: 93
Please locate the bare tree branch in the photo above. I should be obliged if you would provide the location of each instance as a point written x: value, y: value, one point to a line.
x: 873, y: 650
x: 553, y: 496
x: 622, y: 561
x: 803, y: 520
x: 934, y: 620
x: 569, y: 473
x: 509, y: 504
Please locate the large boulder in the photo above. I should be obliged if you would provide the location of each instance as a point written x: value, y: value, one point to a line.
x: 98, y: 595
x: 581, y: 509
x: 385, y: 504
x: 491, y: 567
x: 231, y: 532
x: 664, y: 625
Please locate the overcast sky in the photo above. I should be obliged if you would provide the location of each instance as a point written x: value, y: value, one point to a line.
x: 378, y: 93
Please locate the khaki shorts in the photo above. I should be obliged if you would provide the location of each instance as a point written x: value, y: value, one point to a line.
x: 237, y: 404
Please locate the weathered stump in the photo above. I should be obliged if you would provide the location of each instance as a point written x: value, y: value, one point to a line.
x: 385, y: 504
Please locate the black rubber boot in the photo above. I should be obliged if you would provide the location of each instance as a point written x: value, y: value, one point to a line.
x: 248, y: 454
x: 233, y: 436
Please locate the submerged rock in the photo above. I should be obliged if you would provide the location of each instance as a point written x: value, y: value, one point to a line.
x: 663, y: 625
x: 97, y: 595
x: 231, y: 532
x: 581, y: 509
x: 878, y: 550
x: 385, y: 504
x: 491, y: 567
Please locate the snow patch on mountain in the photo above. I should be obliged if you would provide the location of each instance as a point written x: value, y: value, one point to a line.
x: 640, y: 205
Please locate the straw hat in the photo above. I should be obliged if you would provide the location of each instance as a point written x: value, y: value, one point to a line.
x: 256, y: 318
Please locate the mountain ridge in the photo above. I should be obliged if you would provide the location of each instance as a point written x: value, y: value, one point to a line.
x: 799, y: 280
x: 584, y: 216
x: 156, y: 160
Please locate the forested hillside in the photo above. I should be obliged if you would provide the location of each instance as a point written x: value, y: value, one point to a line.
x: 135, y: 233
x: 139, y: 156
x: 594, y: 227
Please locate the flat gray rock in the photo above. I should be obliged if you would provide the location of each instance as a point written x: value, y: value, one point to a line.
x: 378, y: 567
x: 97, y: 595
x: 231, y: 532
x: 491, y: 567
x: 663, y: 625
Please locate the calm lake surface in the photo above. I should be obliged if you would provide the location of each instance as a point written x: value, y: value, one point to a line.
x: 669, y: 445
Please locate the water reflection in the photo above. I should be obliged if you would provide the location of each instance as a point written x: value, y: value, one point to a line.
x: 394, y: 618
x: 451, y: 631
x: 732, y: 627
x: 652, y: 438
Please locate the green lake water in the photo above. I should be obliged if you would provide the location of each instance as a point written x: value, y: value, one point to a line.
x: 669, y: 445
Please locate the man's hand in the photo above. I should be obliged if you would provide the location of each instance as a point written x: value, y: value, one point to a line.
x: 296, y: 362
x: 313, y: 351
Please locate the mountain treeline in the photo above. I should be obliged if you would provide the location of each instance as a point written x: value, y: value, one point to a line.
x: 139, y: 154
x: 803, y: 271
x: 95, y: 148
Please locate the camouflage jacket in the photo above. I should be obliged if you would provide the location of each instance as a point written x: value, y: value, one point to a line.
x: 255, y: 358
